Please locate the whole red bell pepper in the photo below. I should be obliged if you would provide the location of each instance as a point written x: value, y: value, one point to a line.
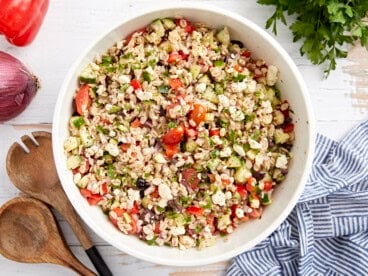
x: 20, y: 20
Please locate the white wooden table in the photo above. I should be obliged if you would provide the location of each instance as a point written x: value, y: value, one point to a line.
x: 339, y: 103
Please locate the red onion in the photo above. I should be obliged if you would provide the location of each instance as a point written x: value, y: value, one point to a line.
x: 17, y: 87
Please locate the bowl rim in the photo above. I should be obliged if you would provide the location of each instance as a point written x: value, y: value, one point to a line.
x: 309, y: 151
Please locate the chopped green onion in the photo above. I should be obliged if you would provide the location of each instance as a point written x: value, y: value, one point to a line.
x: 171, y: 125
x: 239, y: 78
x: 106, y: 61
x: 102, y: 130
x: 146, y: 76
x: 78, y: 122
x: 114, y: 109
x: 232, y: 136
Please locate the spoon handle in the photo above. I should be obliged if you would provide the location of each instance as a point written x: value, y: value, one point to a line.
x: 98, y: 262
x: 66, y: 209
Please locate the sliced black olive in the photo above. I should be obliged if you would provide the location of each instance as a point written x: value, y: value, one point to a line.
x: 241, y: 45
x: 141, y: 183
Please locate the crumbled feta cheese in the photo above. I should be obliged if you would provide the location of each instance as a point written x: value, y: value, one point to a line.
x: 254, y: 144
x: 226, y: 152
x: 272, y: 75
x: 219, y: 198
x: 112, y: 149
x: 200, y: 87
x: 223, y: 100
x: 177, y: 230
x: 254, y: 203
x: 164, y: 191
x: 239, y: 150
x: 266, y: 107
x: 239, y: 213
x: 144, y: 96
x: 252, y: 86
x: 124, y: 79
x: 236, y: 114
x: 281, y: 162
x: 133, y: 195
x: 238, y: 87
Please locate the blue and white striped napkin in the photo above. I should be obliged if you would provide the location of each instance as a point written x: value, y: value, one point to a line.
x: 327, y: 231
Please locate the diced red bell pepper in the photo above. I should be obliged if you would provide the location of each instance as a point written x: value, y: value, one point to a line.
x: 194, y: 210
x: 267, y: 186
x: 171, y: 150
x: 136, y: 84
x: 246, y: 54
x: 215, y: 132
x: 104, y: 189
x: 135, y: 209
x: 241, y: 189
x: 289, y: 128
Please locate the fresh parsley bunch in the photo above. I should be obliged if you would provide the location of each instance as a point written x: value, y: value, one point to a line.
x: 325, y: 26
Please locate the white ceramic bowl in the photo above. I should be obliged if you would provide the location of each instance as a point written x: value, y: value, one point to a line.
x: 286, y: 195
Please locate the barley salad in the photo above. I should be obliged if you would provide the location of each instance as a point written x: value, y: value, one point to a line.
x: 179, y: 134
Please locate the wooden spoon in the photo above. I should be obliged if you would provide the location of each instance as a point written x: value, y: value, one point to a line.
x: 29, y: 234
x: 35, y: 173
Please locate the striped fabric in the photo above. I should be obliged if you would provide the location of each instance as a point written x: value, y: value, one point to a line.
x: 327, y: 231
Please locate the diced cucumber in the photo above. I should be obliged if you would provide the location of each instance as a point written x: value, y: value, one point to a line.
x: 234, y: 162
x: 224, y: 36
x: 158, y: 27
x: 242, y: 174
x: 278, y: 118
x: 280, y: 136
x: 114, y: 109
x: 212, y: 164
x: 71, y: 143
x: 159, y: 158
x: 73, y: 161
x: 190, y: 145
x: 205, y: 79
x: 83, y: 182
x: 88, y: 75
x: 266, y: 199
x: 168, y: 23
x: 219, y: 88
x: 223, y: 221
x: 210, y: 95
x: 208, y: 40
x: 87, y: 139
x: 166, y: 46
x: 219, y: 63
x: 270, y: 94
x: 195, y: 69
